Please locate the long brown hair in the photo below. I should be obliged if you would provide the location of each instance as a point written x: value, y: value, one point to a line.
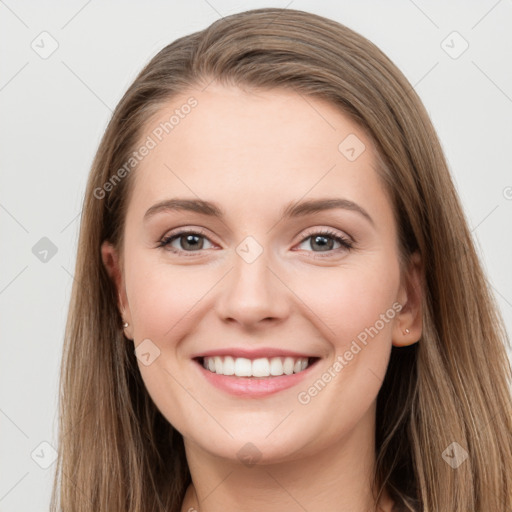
x: 116, y: 450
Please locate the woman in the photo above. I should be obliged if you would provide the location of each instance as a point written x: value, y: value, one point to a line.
x: 213, y: 361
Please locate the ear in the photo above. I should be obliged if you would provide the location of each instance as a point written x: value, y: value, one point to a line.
x: 410, y: 297
x: 112, y: 262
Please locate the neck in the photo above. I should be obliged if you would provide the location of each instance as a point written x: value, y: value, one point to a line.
x: 335, y: 478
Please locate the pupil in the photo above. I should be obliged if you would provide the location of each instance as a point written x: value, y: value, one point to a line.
x: 323, y: 245
x: 190, y: 240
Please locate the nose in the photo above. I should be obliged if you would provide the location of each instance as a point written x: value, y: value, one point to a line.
x: 253, y: 294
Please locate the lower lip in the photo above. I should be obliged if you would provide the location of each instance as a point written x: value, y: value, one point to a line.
x: 254, y: 386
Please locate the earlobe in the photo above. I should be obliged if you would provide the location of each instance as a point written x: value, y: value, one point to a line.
x: 409, y: 323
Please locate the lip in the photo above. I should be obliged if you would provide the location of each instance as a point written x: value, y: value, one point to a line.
x: 252, y: 354
x: 253, y: 387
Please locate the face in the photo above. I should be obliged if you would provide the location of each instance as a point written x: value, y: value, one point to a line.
x: 256, y: 283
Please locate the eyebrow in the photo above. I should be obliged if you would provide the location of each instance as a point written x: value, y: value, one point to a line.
x: 293, y: 209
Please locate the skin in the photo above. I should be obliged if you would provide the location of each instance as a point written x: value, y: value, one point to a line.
x: 253, y: 153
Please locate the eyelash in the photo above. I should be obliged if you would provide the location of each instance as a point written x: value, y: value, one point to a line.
x: 344, y: 242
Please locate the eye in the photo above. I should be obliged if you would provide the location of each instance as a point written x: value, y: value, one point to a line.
x: 193, y: 242
x: 190, y: 241
x: 325, y: 240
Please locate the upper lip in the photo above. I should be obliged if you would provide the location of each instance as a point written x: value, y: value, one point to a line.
x: 252, y: 353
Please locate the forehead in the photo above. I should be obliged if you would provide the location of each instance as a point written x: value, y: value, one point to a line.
x: 255, y: 148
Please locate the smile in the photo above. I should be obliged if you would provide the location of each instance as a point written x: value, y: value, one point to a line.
x: 261, y: 367
x: 254, y: 378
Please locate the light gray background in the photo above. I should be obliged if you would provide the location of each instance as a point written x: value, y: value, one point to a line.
x: 54, y: 111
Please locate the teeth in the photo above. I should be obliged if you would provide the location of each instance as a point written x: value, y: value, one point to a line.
x: 228, y: 366
x: 262, y: 367
x: 242, y: 367
x: 288, y: 365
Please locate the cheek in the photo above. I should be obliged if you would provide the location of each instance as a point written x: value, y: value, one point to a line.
x: 356, y: 316
x: 350, y: 300
x: 162, y: 295
x: 168, y: 302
